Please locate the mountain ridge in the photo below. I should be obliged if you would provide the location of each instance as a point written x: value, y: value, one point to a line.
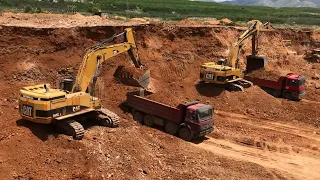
x: 276, y: 3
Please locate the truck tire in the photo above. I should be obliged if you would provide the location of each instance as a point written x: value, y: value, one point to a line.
x: 171, y: 128
x: 275, y: 93
x: 185, y: 134
x: 138, y: 116
x: 287, y: 95
x: 148, y: 120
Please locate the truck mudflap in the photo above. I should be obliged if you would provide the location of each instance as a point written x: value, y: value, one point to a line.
x: 203, y: 133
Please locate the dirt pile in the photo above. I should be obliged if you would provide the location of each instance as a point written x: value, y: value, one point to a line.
x: 263, y: 74
x: 62, y: 20
x: 203, y: 21
x: 132, y: 76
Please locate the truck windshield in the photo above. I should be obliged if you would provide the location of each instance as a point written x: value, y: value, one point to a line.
x: 205, y: 115
x: 294, y: 82
x: 302, y: 81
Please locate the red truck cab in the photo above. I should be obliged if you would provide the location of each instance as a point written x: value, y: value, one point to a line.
x: 294, y: 87
x: 199, y: 119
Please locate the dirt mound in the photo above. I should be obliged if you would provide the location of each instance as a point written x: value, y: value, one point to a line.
x: 62, y: 20
x: 263, y: 74
x: 226, y: 21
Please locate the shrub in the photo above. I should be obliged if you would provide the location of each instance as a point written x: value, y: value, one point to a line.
x: 28, y: 9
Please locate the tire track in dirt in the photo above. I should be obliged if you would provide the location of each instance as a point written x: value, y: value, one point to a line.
x: 309, y: 101
x: 282, y: 158
x: 292, y: 164
x: 306, y: 132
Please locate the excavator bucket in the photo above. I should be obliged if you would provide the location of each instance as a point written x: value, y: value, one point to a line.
x: 132, y: 76
x: 256, y: 62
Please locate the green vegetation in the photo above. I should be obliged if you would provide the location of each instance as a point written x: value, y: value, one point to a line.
x: 177, y: 9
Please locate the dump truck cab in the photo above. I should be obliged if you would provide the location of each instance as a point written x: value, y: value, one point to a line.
x: 199, y: 117
x: 294, y: 85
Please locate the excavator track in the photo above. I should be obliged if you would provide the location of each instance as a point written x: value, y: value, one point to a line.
x: 72, y: 128
x: 235, y: 87
x: 108, y: 118
x: 245, y: 83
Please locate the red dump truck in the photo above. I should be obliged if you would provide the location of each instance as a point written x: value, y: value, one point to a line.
x: 188, y: 120
x: 291, y: 86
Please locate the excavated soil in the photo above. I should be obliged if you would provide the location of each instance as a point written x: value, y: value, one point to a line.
x: 256, y: 136
x: 265, y: 74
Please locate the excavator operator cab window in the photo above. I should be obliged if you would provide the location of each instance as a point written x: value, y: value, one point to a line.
x: 221, y: 62
x: 67, y: 84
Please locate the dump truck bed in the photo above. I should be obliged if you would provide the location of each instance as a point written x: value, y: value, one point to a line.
x: 154, y: 108
x: 266, y: 83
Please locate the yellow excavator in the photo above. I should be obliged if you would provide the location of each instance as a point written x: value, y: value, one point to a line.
x: 72, y: 102
x: 227, y: 73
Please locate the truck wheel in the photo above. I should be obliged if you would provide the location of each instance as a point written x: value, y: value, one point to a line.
x: 171, y: 128
x: 288, y: 95
x: 148, y: 120
x: 275, y: 93
x: 185, y: 134
x: 138, y: 117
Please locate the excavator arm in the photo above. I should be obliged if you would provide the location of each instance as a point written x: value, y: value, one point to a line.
x: 253, y: 30
x: 253, y: 61
x: 97, y: 54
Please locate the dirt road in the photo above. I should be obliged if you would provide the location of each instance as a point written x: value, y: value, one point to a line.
x: 281, y: 156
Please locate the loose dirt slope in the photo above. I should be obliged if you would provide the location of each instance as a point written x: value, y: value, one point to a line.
x: 265, y: 138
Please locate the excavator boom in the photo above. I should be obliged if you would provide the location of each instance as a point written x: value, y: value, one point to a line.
x: 253, y: 61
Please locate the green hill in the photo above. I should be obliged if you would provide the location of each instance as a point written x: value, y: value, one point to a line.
x: 179, y: 9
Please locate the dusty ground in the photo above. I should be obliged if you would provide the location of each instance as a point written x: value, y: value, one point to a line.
x: 256, y: 136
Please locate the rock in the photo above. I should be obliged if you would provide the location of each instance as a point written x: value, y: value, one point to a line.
x: 316, y: 77
x: 250, y: 111
x: 317, y: 86
x: 145, y: 171
x: 17, y: 107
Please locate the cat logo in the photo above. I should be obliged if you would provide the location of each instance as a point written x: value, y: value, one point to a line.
x: 75, y: 108
x: 27, y: 110
x: 209, y: 76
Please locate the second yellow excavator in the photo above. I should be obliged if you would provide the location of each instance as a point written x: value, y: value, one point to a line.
x: 227, y: 73
x: 72, y: 102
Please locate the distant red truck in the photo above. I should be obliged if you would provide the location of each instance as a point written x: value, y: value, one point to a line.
x: 291, y: 86
x: 188, y: 120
